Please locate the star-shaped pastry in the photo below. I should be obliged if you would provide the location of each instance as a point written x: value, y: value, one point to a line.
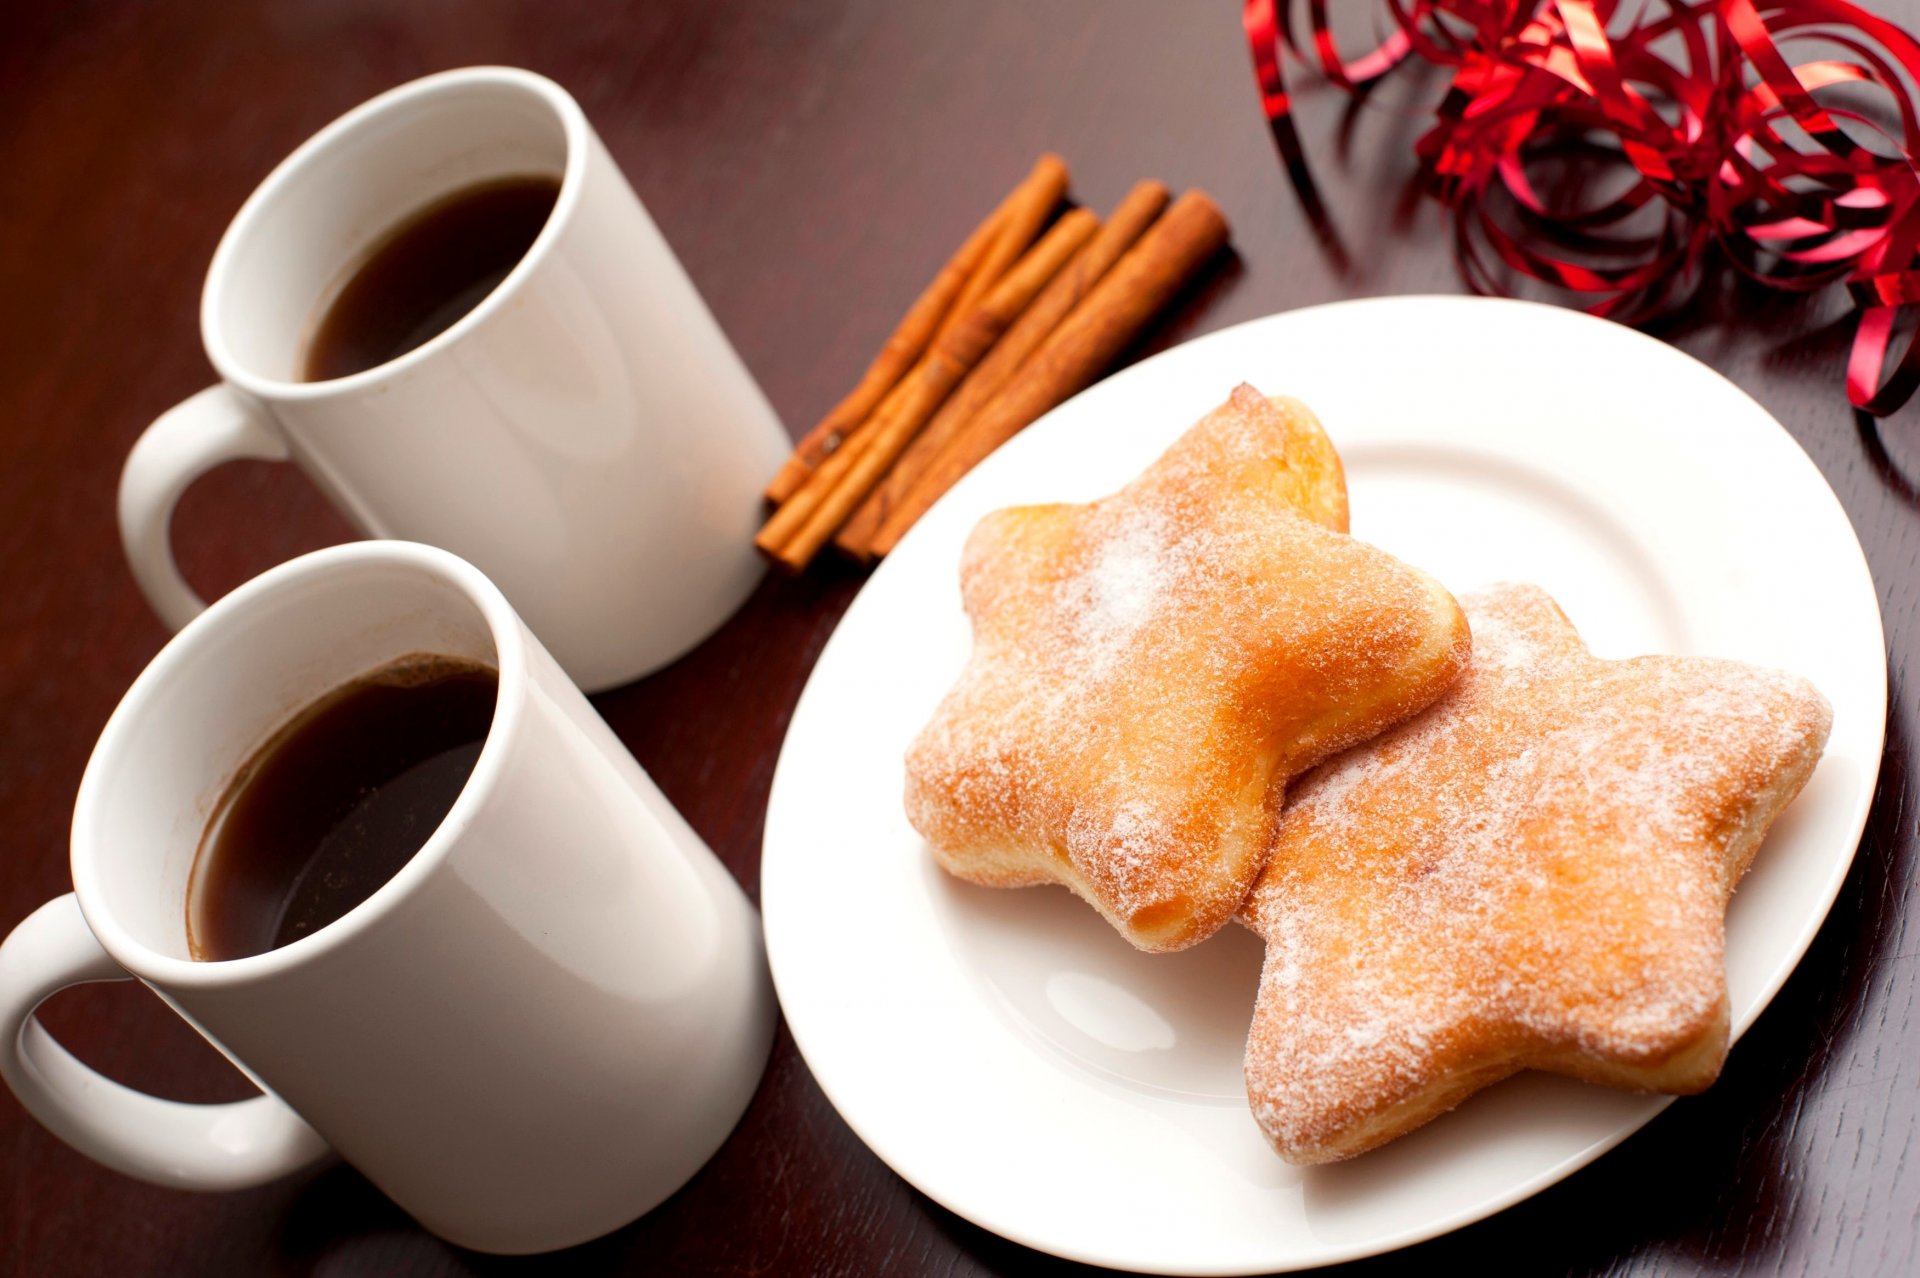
x: 1149, y: 670
x: 1533, y: 873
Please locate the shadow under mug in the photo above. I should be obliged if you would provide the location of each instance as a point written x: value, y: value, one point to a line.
x: 538, y: 1029
x: 586, y: 435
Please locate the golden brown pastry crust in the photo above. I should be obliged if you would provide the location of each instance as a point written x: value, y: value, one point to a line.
x: 1531, y: 874
x: 1150, y: 670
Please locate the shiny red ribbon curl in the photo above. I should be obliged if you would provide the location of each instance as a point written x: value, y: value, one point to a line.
x: 1709, y: 135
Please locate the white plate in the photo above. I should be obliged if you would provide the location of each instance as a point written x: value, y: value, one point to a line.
x: 1013, y: 1058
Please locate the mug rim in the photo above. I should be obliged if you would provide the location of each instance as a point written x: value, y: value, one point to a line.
x: 573, y: 124
x: 510, y: 654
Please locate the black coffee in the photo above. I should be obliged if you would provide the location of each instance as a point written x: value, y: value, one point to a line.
x: 336, y: 802
x: 428, y: 272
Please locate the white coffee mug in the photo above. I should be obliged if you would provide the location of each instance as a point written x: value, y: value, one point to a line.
x: 538, y: 1029
x: 586, y: 436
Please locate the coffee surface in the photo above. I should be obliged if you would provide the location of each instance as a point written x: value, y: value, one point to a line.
x: 336, y: 802
x: 428, y: 272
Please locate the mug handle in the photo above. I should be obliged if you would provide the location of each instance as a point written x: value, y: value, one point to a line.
x: 183, y: 443
x: 182, y: 1146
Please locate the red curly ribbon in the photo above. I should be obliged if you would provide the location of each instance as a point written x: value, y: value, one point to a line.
x: 1715, y: 141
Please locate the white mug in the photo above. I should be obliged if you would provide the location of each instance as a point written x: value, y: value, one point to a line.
x: 538, y: 1029
x: 586, y: 435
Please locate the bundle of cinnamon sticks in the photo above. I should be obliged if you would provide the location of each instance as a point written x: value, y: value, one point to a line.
x: 1023, y: 316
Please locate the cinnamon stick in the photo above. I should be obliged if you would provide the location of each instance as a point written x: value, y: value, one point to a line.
x: 976, y: 266
x: 1097, y: 330
x: 1026, y: 211
x: 796, y: 531
x: 817, y: 484
x: 1129, y: 221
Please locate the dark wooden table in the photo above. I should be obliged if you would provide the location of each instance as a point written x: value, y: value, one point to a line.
x: 811, y: 163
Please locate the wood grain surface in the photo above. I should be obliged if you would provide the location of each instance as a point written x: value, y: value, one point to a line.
x: 812, y: 163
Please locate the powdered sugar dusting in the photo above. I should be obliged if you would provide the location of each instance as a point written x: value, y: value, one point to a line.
x: 1127, y: 578
x: 1533, y: 871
